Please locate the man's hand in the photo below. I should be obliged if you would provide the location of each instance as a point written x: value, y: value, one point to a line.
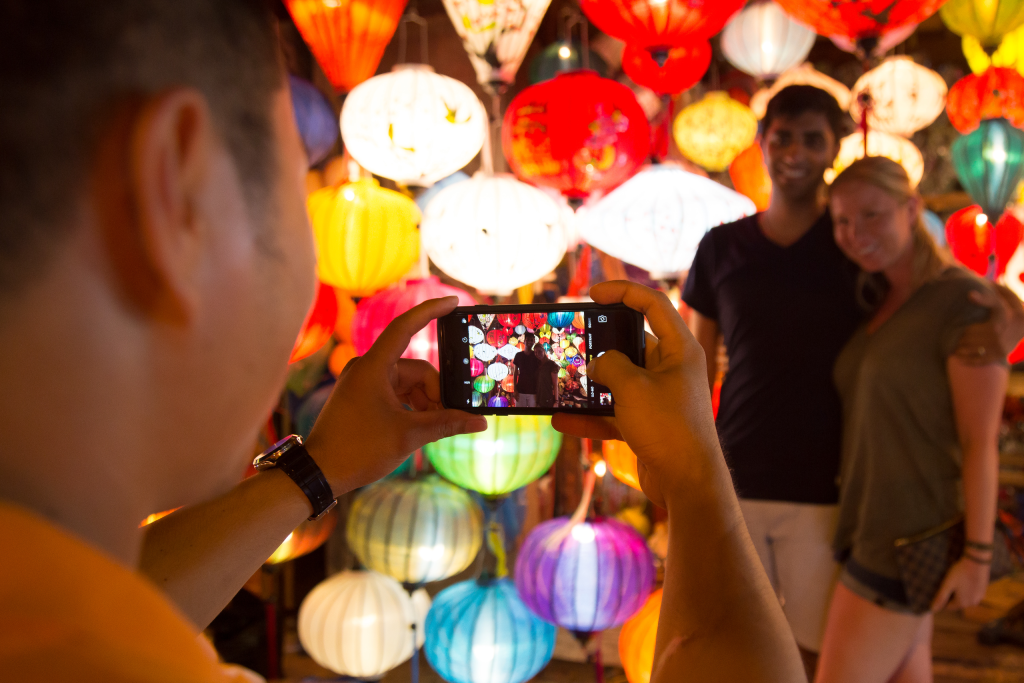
x: 993, y: 340
x: 365, y: 431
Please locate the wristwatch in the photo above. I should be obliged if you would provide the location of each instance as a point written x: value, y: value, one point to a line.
x: 291, y: 457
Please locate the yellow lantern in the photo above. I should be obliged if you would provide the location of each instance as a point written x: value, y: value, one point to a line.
x: 1009, y: 54
x: 366, y: 235
x: 905, y: 96
x: 899, y: 149
x: 712, y: 132
x: 621, y: 462
x: 636, y: 640
x: 805, y: 74
x: 987, y: 21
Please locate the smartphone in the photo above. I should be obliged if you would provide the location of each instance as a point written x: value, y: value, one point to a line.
x: 532, y: 359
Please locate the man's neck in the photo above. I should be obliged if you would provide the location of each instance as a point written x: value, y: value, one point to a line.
x: 788, y: 219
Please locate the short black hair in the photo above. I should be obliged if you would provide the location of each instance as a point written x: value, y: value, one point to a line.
x: 66, y: 64
x: 794, y: 100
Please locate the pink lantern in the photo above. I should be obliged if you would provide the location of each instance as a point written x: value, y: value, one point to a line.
x: 475, y: 368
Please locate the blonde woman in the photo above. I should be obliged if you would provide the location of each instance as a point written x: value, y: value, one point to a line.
x: 919, y: 431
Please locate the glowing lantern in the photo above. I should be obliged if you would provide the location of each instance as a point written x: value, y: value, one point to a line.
x: 485, y: 352
x: 509, y: 320
x: 497, y: 372
x: 373, y: 315
x: 413, y: 125
x: 479, y: 631
x: 306, y: 538
x: 340, y: 357
x: 347, y: 37
x: 366, y: 235
x: 358, y: 624
x: 656, y: 218
x: 905, y: 96
x: 534, y: 321
x: 621, y: 462
x: 662, y: 23
x: 476, y: 368
x: 496, y: 35
x: 982, y: 247
x: 498, y: 402
x: 880, y: 144
x: 576, y: 133
x: 495, y: 233
x: 497, y: 338
x: 415, y: 530
x: 985, y: 20
x: 990, y: 163
x: 318, y: 127
x: 514, y: 451
x: 587, y: 576
x: 997, y: 93
x: 682, y: 68
x: 859, y: 19
x: 1010, y: 52
x: 509, y: 383
x: 764, y: 41
x: 562, y: 56
x: 637, y: 638
x: 482, y: 384
x: 318, y: 326
x: 805, y: 74
x: 579, y: 321
x: 561, y: 319
x: 749, y: 176
x: 712, y: 132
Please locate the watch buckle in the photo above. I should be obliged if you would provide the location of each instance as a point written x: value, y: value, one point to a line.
x: 327, y: 509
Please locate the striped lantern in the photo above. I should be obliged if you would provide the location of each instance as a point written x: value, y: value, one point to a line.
x: 415, y: 530
x: 764, y: 41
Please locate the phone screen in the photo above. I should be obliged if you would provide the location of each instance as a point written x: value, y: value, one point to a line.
x: 535, y: 360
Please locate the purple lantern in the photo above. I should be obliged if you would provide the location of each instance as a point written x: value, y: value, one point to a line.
x: 498, y: 402
x: 584, y: 577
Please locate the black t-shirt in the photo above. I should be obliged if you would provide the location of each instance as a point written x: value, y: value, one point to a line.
x: 528, y: 365
x: 785, y: 313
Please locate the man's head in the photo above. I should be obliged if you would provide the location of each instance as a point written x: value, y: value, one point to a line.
x: 800, y: 135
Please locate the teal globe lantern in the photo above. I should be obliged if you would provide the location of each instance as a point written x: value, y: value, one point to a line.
x: 990, y: 163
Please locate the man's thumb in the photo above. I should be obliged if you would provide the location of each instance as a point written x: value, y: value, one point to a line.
x: 614, y: 370
x: 434, y: 425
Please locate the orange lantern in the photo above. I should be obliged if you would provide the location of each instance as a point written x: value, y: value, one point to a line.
x: 997, y: 93
x: 346, y: 311
x: 750, y: 176
x: 347, y: 37
x: 306, y: 538
x: 340, y: 357
x: 509, y: 383
x: 636, y: 640
x: 621, y: 462
x: 318, y: 325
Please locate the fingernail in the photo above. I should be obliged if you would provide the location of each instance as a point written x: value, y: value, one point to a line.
x: 477, y: 424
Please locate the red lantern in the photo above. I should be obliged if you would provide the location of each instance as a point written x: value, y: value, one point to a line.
x: 974, y: 241
x: 347, y: 37
x: 576, y: 133
x: 318, y: 326
x: 509, y: 320
x: 682, y: 68
x: 497, y: 338
x: 997, y: 93
x: 533, y: 321
x: 660, y: 24
x: 750, y: 176
x: 859, y: 19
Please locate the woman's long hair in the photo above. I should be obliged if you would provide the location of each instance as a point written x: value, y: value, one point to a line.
x: 929, y: 260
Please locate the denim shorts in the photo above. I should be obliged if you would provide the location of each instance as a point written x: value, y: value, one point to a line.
x: 881, y: 590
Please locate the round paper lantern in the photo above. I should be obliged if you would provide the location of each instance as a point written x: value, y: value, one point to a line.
x: 479, y: 631
x: 859, y: 19
x: 366, y: 235
x: 981, y: 246
x: 637, y: 638
x: 306, y: 538
x: 318, y: 326
x: 476, y: 368
x: 358, y: 624
x: 375, y: 313
x: 679, y: 69
x: 509, y: 383
x: 621, y: 462
x: 483, y: 384
x: 990, y: 163
x: 576, y: 133
x: 562, y: 56
x: 413, y: 125
x: 415, y: 530
x: 764, y: 41
x: 509, y: 320
x: 997, y: 93
x: 561, y: 319
x: 584, y: 577
x: 905, y: 96
x: 661, y: 24
x: 347, y: 37
x: 712, y: 132
x: 750, y: 177
x: 805, y: 74
x: 498, y: 402
x: 534, y: 321
x: 318, y: 127
x: 514, y: 451
x: 579, y: 321
x: 497, y: 338
x: 497, y: 372
x: 880, y: 144
x: 476, y: 335
x: 986, y: 20
x: 656, y: 219
x: 478, y: 399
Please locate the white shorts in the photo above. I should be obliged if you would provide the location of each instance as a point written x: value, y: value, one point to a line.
x: 794, y: 542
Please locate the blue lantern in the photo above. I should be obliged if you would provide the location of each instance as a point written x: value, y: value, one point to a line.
x: 561, y: 319
x: 317, y: 122
x: 990, y: 163
x: 479, y: 631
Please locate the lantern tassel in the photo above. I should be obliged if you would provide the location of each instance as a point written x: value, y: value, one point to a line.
x: 415, y: 673
x: 598, y: 661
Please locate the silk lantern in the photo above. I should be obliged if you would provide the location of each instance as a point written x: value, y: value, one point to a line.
x: 499, y: 402
x: 576, y: 133
x: 805, y: 74
x: 750, y: 177
x: 659, y: 24
x: 358, y: 624
x: 1010, y: 52
x: 497, y: 338
x: 763, y: 41
x: 496, y: 35
x: 981, y: 246
x: 859, y: 19
x: 997, y: 93
x: 318, y: 326
x: 509, y: 320
x: 306, y: 538
x: 495, y: 233
x: 562, y: 56
x: 318, y: 127
x: 375, y: 313
x: 637, y: 639
x: 366, y: 235
x: 990, y: 163
x: 712, y: 132
x: 880, y: 144
x: 985, y: 20
x: 587, y: 576
x: 415, y: 530
x: 656, y: 219
x: 479, y: 631
x: 904, y: 96
x: 621, y: 462
x: 561, y: 319
x: 670, y: 72
x: 514, y: 451
x: 412, y: 125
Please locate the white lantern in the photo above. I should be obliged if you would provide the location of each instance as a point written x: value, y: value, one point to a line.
x: 805, y: 74
x: 655, y: 219
x: 905, y: 96
x: 895, y: 147
x: 494, y: 232
x: 359, y: 624
x: 412, y: 125
x: 764, y: 41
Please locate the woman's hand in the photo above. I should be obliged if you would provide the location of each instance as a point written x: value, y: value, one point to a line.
x: 964, y: 585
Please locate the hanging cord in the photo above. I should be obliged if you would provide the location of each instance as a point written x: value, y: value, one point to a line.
x: 571, y: 18
x: 412, y: 16
x: 495, y: 564
x: 487, y: 151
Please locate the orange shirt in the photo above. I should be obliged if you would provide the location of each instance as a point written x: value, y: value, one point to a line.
x: 70, y: 613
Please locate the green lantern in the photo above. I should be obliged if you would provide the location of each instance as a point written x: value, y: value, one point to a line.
x: 514, y: 451
x: 990, y: 163
x: 483, y: 384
